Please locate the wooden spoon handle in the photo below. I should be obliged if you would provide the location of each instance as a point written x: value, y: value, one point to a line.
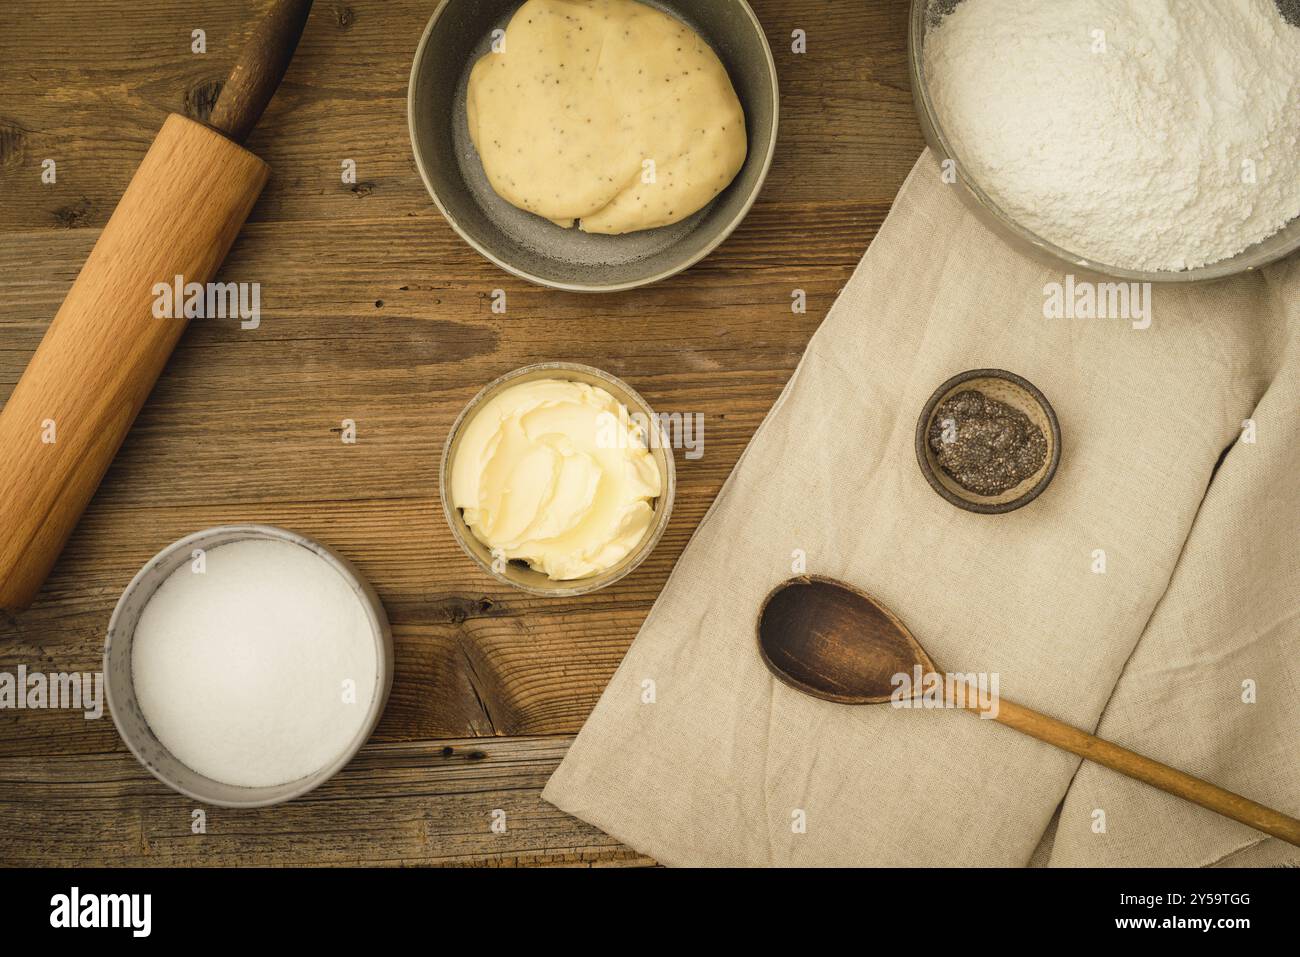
x: 1207, y: 795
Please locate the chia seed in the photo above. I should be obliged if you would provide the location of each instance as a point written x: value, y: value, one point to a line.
x: 985, y: 445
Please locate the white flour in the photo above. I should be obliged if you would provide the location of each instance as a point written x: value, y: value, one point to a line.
x: 240, y: 670
x: 1168, y: 140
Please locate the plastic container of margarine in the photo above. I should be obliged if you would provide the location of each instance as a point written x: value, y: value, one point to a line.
x: 593, y: 575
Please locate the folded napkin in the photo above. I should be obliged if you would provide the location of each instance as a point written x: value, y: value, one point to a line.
x: 696, y: 755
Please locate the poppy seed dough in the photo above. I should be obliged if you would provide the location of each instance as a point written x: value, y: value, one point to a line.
x: 605, y: 112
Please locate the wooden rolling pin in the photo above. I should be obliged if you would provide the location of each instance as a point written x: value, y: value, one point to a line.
x: 104, y: 350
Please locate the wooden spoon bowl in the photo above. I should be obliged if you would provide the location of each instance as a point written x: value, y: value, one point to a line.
x: 799, y: 631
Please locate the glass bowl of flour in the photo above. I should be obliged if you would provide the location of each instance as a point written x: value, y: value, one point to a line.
x: 1143, y: 139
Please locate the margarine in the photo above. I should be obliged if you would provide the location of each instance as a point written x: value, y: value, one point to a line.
x: 555, y: 473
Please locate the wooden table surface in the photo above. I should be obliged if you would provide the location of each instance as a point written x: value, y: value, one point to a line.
x: 374, y: 310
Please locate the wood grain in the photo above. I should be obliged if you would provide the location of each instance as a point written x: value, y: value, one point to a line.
x: 374, y: 310
x: 413, y: 803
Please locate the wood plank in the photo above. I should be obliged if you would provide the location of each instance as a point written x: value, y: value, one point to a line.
x: 89, y: 88
x: 472, y: 657
x: 415, y: 803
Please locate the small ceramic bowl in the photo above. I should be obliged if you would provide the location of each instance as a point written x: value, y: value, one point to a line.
x: 125, y: 708
x: 458, y: 34
x: 519, y: 574
x: 1016, y: 392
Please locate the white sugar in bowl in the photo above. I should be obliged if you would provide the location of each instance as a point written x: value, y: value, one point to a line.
x: 247, y: 664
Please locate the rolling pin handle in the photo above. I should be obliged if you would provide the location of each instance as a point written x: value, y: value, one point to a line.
x: 260, y: 69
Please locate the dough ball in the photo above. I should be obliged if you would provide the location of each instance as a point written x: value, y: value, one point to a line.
x: 606, y: 112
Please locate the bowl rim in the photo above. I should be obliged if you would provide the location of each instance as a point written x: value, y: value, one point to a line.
x: 927, y: 468
x: 375, y: 614
x: 1025, y: 239
x: 580, y: 586
x: 769, y: 155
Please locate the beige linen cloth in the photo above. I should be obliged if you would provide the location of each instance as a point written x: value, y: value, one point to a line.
x: 696, y: 755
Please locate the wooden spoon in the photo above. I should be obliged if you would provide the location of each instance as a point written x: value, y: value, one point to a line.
x: 831, y: 641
